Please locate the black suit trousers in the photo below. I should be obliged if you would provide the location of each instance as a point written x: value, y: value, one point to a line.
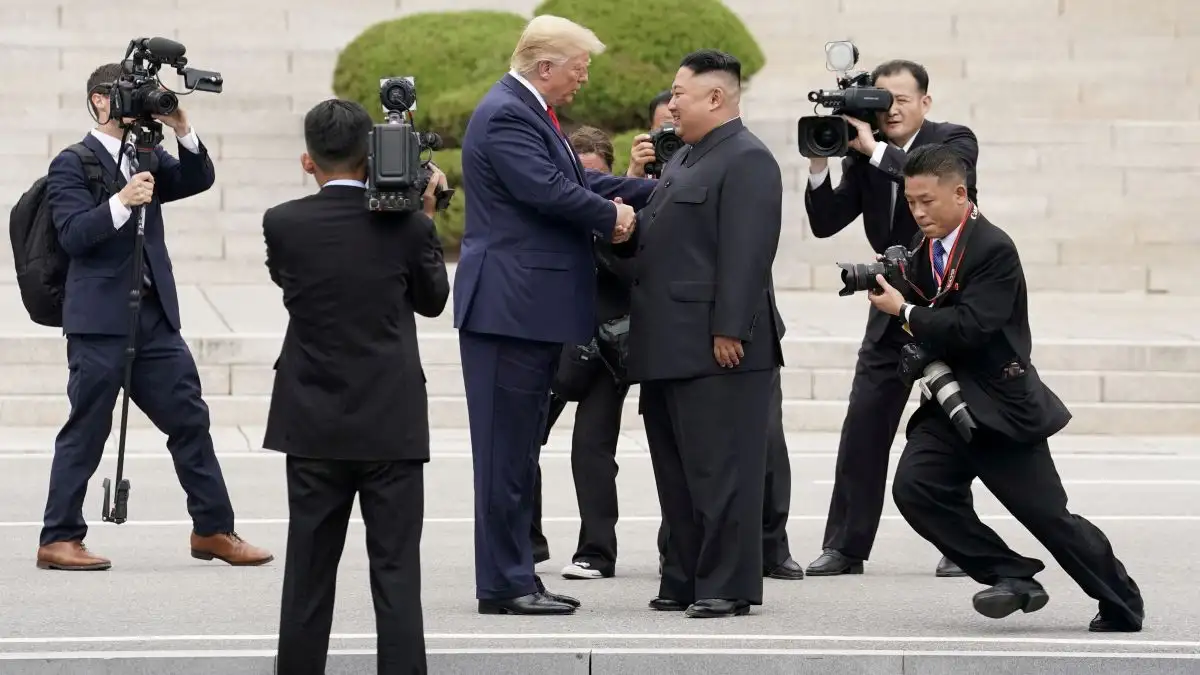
x: 777, y: 489
x: 876, y: 405
x: 320, y: 499
x: 938, y: 465
x: 708, y: 447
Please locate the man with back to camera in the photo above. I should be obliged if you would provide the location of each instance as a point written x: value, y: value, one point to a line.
x: 99, y: 237
x: 777, y: 493
x: 525, y: 286
x: 871, y: 186
x: 349, y: 406
x: 966, y: 304
x: 704, y: 341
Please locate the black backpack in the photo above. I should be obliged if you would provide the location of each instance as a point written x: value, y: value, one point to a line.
x: 40, y: 260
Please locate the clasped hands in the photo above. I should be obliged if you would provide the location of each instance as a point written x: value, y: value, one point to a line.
x: 626, y: 221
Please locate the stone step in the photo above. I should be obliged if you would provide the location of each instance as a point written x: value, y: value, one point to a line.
x: 800, y: 383
x: 798, y: 415
x: 439, y: 347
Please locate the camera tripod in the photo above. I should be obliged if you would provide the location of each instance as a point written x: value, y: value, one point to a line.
x: 146, y: 135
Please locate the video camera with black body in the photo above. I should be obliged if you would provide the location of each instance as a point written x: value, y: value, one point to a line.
x: 830, y: 135
x: 396, y: 175
x: 135, y: 99
x: 917, y: 362
x: 666, y: 143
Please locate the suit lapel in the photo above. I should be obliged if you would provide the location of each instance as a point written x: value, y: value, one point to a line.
x: 530, y: 100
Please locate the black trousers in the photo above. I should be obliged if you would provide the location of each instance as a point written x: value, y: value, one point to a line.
x: 708, y: 447
x: 320, y: 498
x: 166, y: 387
x: 876, y: 404
x: 777, y: 489
x: 937, y: 465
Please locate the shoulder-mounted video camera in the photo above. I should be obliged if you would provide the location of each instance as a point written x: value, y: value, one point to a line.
x: 396, y: 175
x: 666, y: 143
x: 830, y: 135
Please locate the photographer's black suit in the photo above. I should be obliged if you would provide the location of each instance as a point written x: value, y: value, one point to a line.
x: 704, y: 247
x: 349, y: 409
x: 980, y: 329
x: 877, y: 396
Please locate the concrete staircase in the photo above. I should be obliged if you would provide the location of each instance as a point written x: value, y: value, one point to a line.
x: 1087, y: 158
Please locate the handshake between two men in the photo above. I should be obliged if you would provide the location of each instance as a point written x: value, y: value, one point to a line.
x: 626, y: 221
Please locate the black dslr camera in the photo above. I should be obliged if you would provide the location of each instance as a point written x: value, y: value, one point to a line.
x: 139, y: 94
x: 830, y: 135
x: 937, y: 384
x: 396, y: 176
x: 666, y: 144
x: 893, y: 265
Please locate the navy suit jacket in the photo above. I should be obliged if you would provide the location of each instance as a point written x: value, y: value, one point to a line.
x: 526, y: 267
x: 100, y: 274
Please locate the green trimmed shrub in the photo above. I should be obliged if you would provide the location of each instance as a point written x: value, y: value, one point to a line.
x: 443, y: 50
x: 645, y: 41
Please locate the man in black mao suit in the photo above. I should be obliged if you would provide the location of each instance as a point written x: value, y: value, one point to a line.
x: 349, y: 406
x: 872, y: 186
x: 978, y: 325
x: 704, y: 341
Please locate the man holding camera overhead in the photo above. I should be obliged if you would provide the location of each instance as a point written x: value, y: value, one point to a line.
x: 98, y: 233
x: 872, y: 186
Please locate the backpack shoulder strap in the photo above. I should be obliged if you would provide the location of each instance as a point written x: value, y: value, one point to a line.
x: 94, y: 169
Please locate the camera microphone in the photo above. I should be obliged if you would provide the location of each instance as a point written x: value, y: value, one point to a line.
x: 163, y: 48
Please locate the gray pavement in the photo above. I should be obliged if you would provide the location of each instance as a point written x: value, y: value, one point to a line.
x: 158, y: 610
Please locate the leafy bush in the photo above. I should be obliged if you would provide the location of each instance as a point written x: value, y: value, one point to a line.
x: 444, y: 51
x: 643, y: 51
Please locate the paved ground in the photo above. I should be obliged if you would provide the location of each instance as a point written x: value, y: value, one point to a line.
x: 158, y: 601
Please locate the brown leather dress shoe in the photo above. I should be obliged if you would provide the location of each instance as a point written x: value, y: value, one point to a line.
x: 70, y: 555
x: 230, y: 548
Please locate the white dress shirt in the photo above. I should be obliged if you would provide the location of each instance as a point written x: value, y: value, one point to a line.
x: 120, y: 212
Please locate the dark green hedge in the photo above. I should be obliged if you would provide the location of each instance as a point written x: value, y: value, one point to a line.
x: 457, y: 56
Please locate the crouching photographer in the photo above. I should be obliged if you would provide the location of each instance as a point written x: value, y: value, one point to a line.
x: 357, y: 261
x: 966, y: 306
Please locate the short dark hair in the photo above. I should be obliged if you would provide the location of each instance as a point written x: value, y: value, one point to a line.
x: 896, y: 66
x: 935, y: 159
x: 336, y: 134
x: 710, y: 61
x: 101, y: 81
x: 660, y: 99
x: 587, y: 139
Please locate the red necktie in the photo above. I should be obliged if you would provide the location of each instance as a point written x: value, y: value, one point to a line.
x: 553, y: 118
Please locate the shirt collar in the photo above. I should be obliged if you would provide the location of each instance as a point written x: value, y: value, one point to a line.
x: 345, y: 181
x: 517, y: 76
x: 113, y: 145
x: 948, y: 240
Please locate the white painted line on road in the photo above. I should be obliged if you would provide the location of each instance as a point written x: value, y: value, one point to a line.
x: 673, y: 637
x: 163, y: 455
x: 466, y: 520
x: 271, y: 653
x: 1095, y: 481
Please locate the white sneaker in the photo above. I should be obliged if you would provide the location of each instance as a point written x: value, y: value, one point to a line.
x: 581, y: 570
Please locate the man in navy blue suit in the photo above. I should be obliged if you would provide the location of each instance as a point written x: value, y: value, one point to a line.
x: 99, y: 237
x: 524, y: 287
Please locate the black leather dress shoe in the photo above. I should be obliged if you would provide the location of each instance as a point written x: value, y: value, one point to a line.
x: 715, y: 609
x: 667, y: 605
x: 832, y: 563
x: 534, y: 603
x: 564, y: 599
x: 1100, y: 624
x: 946, y: 568
x: 1008, y: 596
x: 788, y: 570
